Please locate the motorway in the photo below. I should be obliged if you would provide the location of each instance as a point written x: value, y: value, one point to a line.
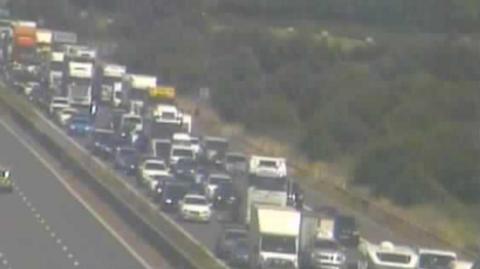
x: 43, y: 225
x: 55, y: 231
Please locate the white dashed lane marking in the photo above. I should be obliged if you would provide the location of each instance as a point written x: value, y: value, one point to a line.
x: 38, y: 217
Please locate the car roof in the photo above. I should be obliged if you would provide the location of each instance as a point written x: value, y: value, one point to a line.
x: 154, y: 160
x: 191, y: 195
x: 436, y: 252
x: 220, y: 175
x: 215, y: 138
x: 181, y: 147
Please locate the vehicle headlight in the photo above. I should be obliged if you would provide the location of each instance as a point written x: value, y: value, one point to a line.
x: 132, y: 166
x: 219, y: 198
x: 97, y: 144
x: 168, y: 201
x: 159, y: 190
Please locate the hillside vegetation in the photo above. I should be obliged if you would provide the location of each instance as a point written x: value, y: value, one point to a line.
x: 407, y: 113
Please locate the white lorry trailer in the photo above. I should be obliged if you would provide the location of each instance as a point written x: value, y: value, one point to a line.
x: 111, y: 86
x: 137, y: 89
x: 274, y: 237
x: 267, y: 184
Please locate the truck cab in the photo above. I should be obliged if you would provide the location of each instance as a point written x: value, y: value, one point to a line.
x: 137, y: 89
x: 274, y: 236
x: 319, y: 247
x: 110, y: 88
x: 79, y: 83
x: 56, y: 71
x: 265, y: 186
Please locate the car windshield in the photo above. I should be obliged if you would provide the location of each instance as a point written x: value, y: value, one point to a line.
x: 216, y: 180
x: 80, y: 120
x: 225, y: 188
x: 278, y: 244
x: 127, y: 152
x: 175, y: 191
x: 326, y: 244
x: 183, y: 153
x: 428, y: 261
x: 195, y: 201
x: 132, y: 120
x: 85, y: 82
x: 236, y: 159
x: 235, y: 234
x: 60, y: 102
x: 155, y: 166
x: 168, y: 115
x: 186, y: 163
x: 217, y: 145
x: 268, y: 183
x: 270, y: 164
x: 102, y: 136
x: 394, y: 258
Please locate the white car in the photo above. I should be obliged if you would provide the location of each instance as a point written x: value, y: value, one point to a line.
x: 63, y: 115
x: 58, y: 102
x: 180, y: 152
x: 213, y: 181
x: 195, y: 207
x: 151, y: 168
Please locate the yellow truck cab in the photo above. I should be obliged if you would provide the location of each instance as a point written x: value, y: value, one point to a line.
x: 162, y: 94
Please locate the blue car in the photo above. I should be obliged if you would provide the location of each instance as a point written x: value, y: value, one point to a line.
x: 80, y: 125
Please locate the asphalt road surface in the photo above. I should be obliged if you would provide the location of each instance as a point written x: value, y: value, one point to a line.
x: 43, y: 226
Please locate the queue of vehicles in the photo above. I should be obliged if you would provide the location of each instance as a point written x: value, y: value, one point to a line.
x: 150, y: 138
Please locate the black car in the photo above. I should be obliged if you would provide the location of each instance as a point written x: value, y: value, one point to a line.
x: 225, y: 196
x: 172, y: 193
x: 346, y: 230
x: 126, y: 160
x: 102, y: 143
x: 185, y: 169
x: 226, y: 241
x: 239, y: 254
x: 158, y: 190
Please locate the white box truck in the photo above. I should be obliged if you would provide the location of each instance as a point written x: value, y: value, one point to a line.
x: 267, y: 183
x: 137, y: 90
x: 274, y: 236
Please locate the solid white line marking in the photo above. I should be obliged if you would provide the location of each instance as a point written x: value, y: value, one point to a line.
x: 37, y: 216
x: 33, y: 209
x: 77, y: 196
x: 20, y: 193
x: 47, y: 228
x: 42, y: 221
x: 70, y: 255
